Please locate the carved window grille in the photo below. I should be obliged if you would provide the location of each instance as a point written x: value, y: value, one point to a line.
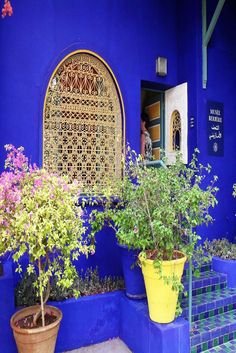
x: 175, y: 131
x: 83, y: 118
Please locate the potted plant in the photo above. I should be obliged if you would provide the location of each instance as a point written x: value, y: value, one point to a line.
x: 165, y: 205
x: 223, y: 254
x: 112, y: 201
x: 39, y: 218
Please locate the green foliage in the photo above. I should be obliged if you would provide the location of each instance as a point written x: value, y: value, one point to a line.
x: 221, y: 248
x: 86, y: 283
x: 158, y: 209
x: 89, y: 283
x: 39, y: 217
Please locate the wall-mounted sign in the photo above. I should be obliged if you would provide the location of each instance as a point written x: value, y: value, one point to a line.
x: 215, y: 128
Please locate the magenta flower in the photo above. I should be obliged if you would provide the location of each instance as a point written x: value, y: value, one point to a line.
x: 38, y: 183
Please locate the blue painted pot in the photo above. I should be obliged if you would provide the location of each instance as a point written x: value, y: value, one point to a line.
x: 134, y: 282
x: 225, y: 266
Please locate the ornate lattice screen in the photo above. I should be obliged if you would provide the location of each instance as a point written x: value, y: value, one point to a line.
x: 82, y: 130
x: 176, y: 131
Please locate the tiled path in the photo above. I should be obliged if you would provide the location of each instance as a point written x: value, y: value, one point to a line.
x: 111, y: 346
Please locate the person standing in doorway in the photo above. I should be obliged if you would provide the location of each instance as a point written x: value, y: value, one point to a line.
x: 146, y: 141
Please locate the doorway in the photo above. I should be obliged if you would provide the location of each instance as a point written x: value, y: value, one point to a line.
x: 167, y: 111
x: 152, y: 103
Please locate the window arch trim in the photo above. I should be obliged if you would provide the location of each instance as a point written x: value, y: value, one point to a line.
x: 113, y: 77
x: 175, y: 120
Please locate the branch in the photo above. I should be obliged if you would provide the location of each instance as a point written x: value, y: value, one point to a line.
x: 149, y: 217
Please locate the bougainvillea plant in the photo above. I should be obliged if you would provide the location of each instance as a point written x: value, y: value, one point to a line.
x: 7, y: 9
x: 39, y: 217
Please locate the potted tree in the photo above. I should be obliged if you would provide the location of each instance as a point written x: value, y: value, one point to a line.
x: 39, y: 218
x: 223, y: 254
x: 113, y: 200
x: 165, y: 205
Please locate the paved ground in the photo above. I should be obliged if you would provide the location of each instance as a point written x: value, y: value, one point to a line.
x: 111, y: 346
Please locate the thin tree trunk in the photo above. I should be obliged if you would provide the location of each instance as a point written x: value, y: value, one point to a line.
x: 41, y: 294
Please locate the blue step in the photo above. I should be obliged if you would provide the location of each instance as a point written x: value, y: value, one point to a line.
x: 228, y: 347
x: 213, y: 313
x: 205, y: 267
x: 214, y: 330
x: 210, y: 303
x: 206, y: 282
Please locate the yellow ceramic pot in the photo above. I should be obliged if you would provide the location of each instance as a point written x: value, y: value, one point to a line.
x: 162, y: 299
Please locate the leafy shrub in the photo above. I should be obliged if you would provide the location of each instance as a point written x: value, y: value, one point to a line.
x: 87, y: 283
x: 221, y: 248
x: 158, y: 209
x: 39, y: 217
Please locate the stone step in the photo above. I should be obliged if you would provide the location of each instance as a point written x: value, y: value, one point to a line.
x: 214, y: 330
x: 211, y: 303
x: 207, y: 281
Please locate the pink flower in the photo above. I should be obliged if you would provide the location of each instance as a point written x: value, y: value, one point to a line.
x: 7, y: 9
x: 5, y: 223
x: 65, y: 187
x: 38, y: 183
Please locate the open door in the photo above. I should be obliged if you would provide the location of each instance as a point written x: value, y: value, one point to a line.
x: 152, y: 104
x: 176, y: 122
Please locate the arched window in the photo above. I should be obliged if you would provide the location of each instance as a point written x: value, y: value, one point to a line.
x: 175, y: 131
x: 83, y: 120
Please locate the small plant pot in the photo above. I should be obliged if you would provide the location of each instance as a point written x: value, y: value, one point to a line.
x: 227, y: 267
x: 162, y: 299
x: 134, y: 282
x: 36, y: 340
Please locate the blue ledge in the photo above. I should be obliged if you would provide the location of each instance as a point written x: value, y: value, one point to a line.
x: 144, y: 336
x: 97, y: 318
x: 7, y: 309
x: 88, y: 320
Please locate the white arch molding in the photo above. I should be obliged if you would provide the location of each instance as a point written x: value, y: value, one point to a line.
x: 176, y: 99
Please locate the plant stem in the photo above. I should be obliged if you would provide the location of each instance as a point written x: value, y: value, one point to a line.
x: 149, y: 218
x: 41, y: 293
x: 48, y: 284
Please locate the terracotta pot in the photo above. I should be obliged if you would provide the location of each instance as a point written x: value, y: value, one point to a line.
x: 36, y: 340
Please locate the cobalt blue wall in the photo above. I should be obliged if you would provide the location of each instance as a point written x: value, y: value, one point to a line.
x: 220, y: 88
x: 129, y: 35
x: 188, y: 23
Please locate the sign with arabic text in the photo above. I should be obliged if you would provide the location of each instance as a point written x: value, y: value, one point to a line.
x: 215, y: 128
